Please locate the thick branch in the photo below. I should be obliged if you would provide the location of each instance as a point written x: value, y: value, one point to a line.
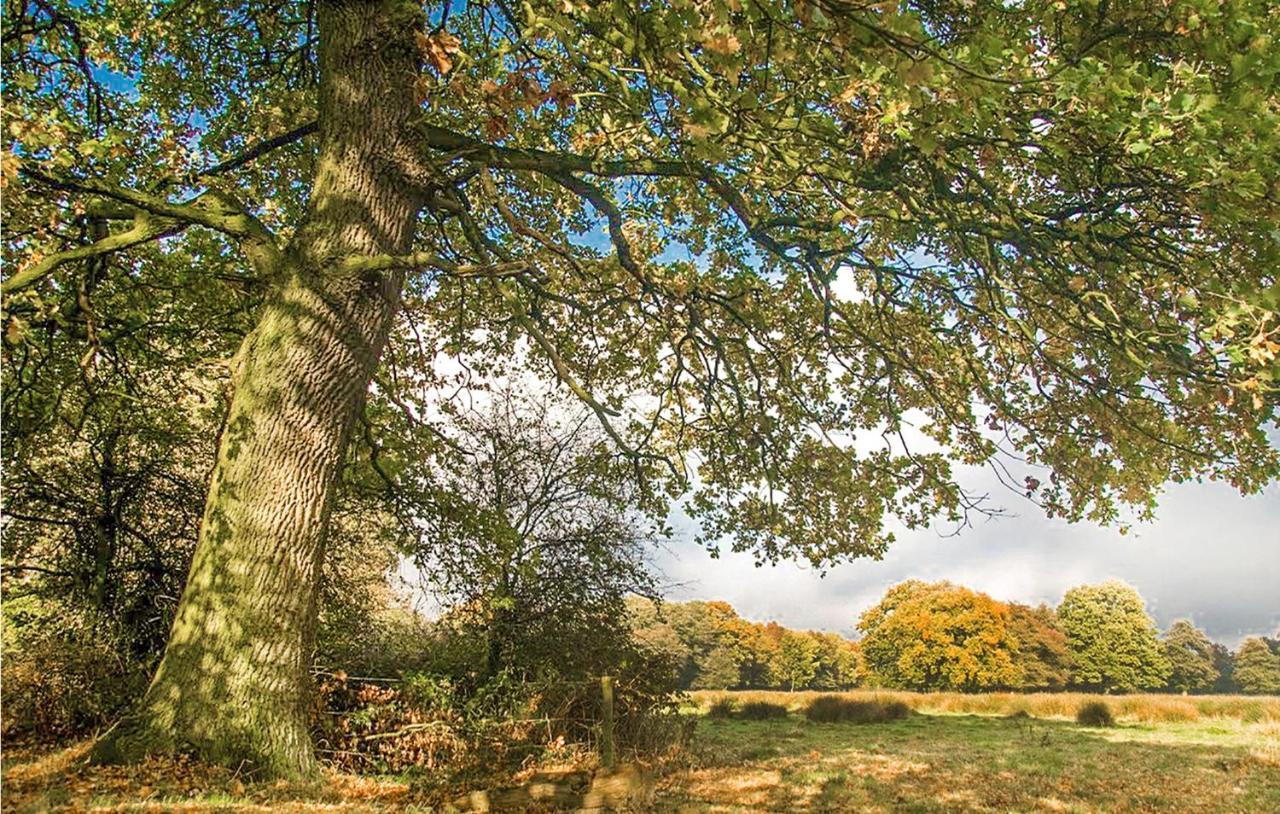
x: 560, y: 165
x: 213, y: 210
x: 145, y: 228
x: 613, y: 216
x: 258, y: 150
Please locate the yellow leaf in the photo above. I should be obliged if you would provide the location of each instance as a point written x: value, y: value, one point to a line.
x: 725, y: 44
x: 846, y: 95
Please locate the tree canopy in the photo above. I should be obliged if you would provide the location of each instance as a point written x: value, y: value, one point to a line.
x: 1055, y: 222
x: 1190, y: 655
x: 760, y: 241
x: 1112, y: 639
x: 1257, y: 667
x: 939, y: 636
x: 1043, y: 656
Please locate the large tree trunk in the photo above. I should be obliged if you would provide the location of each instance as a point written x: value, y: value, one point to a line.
x: 234, y: 681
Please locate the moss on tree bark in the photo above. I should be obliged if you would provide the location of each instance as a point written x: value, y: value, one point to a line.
x: 233, y: 684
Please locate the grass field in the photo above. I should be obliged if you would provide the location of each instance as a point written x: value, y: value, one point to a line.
x: 962, y: 753
x: 956, y: 753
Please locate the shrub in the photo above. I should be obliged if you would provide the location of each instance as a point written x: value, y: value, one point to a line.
x: 722, y: 708
x: 761, y: 710
x: 439, y: 723
x: 64, y: 675
x: 1095, y: 713
x: 834, y: 709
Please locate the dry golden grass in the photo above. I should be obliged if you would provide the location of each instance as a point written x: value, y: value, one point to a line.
x: 1138, y: 708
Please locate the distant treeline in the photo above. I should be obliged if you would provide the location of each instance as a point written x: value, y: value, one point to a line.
x: 942, y: 636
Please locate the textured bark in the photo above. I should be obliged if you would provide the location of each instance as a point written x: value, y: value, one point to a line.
x: 233, y: 684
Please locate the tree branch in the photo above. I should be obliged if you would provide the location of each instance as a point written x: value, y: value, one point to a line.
x: 145, y: 228
x: 511, y: 158
x: 361, y: 264
x: 560, y: 165
x: 213, y: 209
x: 258, y: 150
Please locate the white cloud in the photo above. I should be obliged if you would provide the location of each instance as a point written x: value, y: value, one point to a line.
x: 1211, y: 555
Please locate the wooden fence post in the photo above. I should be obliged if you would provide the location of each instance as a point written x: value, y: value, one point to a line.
x: 606, y: 725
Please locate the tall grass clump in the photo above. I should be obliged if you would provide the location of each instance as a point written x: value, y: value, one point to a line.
x: 761, y: 711
x: 1095, y: 713
x: 838, y: 709
x: 722, y: 708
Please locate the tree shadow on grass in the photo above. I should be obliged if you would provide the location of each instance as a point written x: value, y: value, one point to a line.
x: 961, y: 763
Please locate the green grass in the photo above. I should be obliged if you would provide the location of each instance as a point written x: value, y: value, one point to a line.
x: 954, y: 762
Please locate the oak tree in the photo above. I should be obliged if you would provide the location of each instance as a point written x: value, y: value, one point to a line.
x: 741, y: 232
x: 1190, y: 655
x: 1042, y: 656
x: 1257, y: 667
x: 1112, y: 639
x: 939, y: 636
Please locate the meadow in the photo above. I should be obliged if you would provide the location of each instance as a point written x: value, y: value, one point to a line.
x: 986, y: 753
x: 953, y: 753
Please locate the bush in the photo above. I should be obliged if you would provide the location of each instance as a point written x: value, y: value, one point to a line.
x: 444, y: 724
x: 761, y: 711
x: 1095, y: 713
x: 834, y: 709
x: 64, y: 675
x: 722, y: 708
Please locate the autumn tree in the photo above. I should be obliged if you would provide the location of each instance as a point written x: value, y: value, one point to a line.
x: 1257, y: 668
x: 718, y: 666
x: 715, y: 648
x: 1190, y: 655
x: 653, y: 632
x: 1041, y: 655
x: 689, y: 633
x: 754, y: 648
x: 795, y: 662
x: 837, y: 662
x: 1113, y: 640
x: 719, y: 670
x: 938, y: 636
x: 1046, y: 231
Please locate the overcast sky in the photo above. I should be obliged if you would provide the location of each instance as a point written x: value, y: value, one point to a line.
x: 1211, y: 556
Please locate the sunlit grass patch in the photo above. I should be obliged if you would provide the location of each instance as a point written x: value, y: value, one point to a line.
x: 944, y: 761
x: 40, y: 781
